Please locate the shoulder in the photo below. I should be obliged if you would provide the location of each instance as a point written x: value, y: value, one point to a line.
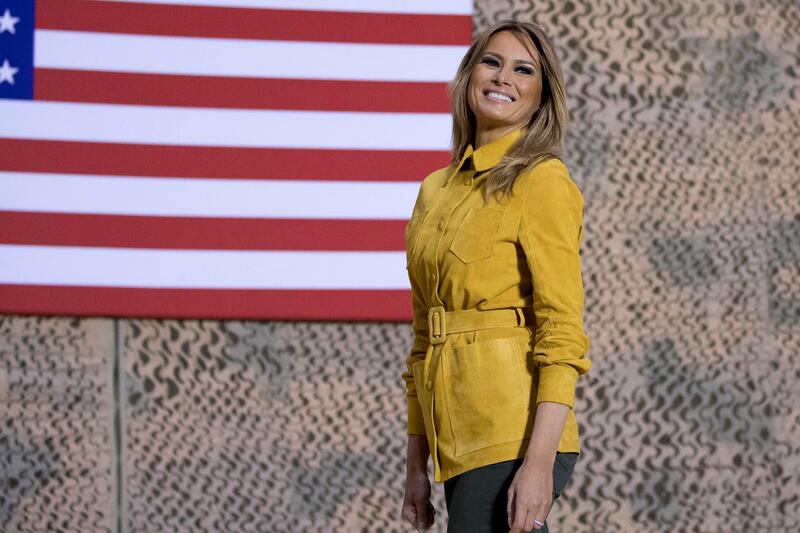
x: 430, y: 184
x: 551, y: 171
x: 437, y: 177
x: 549, y: 179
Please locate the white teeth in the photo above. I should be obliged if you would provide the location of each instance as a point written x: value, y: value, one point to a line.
x: 497, y: 96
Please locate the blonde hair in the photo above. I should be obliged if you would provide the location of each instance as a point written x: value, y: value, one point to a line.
x: 543, y: 135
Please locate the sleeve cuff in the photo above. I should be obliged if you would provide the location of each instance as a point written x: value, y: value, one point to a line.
x: 557, y: 384
x: 416, y: 425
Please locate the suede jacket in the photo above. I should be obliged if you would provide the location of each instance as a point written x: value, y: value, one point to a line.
x: 521, y: 253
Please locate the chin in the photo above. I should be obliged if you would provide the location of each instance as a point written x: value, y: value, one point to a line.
x: 495, y: 117
x: 496, y: 120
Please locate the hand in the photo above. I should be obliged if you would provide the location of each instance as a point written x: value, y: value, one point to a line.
x: 417, y: 507
x: 529, y: 497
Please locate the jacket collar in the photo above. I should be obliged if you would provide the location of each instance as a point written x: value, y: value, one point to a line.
x: 489, y: 155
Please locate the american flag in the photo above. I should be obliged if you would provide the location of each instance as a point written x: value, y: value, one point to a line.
x: 218, y: 159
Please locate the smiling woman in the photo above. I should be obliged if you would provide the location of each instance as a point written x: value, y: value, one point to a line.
x: 504, y: 88
x: 492, y: 252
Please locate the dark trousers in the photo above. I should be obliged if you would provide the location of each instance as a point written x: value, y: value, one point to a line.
x: 476, y: 500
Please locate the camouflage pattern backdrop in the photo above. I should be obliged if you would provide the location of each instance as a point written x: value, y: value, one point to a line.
x: 686, y: 119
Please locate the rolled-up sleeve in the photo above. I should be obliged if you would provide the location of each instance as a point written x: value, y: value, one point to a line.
x: 415, y: 423
x: 550, y: 233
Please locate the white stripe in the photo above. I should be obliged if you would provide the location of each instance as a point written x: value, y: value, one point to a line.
x: 69, y: 193
x: 248, y: 58
x: 223, y: 127
x: 449, y: 7
x: 125, y: 267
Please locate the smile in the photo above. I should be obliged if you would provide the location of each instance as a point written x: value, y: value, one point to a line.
x: 499, y: 97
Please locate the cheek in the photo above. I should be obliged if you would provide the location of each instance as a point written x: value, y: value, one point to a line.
x: 472, y: 97
x: 532, y: 93
x: 480, y: 76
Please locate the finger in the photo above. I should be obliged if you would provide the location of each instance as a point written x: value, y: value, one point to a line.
x: 427, y: 517
x: 431, y: 514
x: 541, y: 513
x: 422, y: 517
x: 538, y: 513
x: 529, y: 525
x: 410, y: 514
x: 510, y: 506
x: 518, y: 525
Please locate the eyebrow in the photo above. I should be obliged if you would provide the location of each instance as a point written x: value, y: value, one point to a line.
x: 518, y: 60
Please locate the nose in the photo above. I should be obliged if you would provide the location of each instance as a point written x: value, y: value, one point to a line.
x: 500, y: 76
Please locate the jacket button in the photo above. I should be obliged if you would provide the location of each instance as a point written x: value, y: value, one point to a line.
x: 441, y: 224
x: 429, y: 385
x: 466, y: 181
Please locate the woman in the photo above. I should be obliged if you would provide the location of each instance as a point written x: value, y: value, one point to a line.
x: 493, y: 259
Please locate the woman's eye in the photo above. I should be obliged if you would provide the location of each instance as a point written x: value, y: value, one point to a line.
x: 490, y: 61
x: 526, y: 70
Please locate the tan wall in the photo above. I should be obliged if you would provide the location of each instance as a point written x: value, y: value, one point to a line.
x: 684, y: 140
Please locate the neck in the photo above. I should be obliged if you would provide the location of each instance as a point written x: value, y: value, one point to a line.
x: 487, y: 134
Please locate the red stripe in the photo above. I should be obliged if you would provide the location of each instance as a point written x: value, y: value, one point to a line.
x: 246, y: 93
x: 385, y: 305
x: 114, y: 159
x: 195, y: 233
x: 247, y: 23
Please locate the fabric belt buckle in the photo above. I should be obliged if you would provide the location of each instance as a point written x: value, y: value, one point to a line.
x: 437, y: 329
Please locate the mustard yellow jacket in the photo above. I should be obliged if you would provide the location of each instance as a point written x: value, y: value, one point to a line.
x: 521, y: 253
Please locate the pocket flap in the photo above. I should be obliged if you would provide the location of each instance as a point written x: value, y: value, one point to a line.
x: 476, y: 234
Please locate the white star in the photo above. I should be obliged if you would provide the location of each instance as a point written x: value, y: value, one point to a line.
x: 7, y: 22
x: 7, y: 72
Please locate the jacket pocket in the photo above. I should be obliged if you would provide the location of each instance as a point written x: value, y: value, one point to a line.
x: 412, y: 234
x: 487, y: 391
x: 475, y: 236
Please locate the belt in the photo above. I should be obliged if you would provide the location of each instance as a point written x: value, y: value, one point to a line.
x: 442, y: 323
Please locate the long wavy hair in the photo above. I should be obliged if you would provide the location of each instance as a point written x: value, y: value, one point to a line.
x: 543, y: 135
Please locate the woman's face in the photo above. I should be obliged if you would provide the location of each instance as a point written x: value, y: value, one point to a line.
x: 505, y: 86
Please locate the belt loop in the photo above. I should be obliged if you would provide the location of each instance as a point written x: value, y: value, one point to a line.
x: 520, y: 317
x: 437, y: 326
